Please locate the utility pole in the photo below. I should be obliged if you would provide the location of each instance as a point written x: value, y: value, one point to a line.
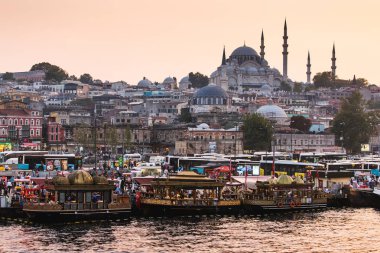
x: 96, y: 162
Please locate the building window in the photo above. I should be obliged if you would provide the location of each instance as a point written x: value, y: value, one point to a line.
x: 26, y: 122
x: 3, y: 131
x: 16, y: 122
x: 233, y: 137
x: 20, y: 121
x: 32, y: 132
x: 10, y: 122
x: 3, y: 121
x: 52, y: 137
x: 32, y: 122
x: 38, y: 132
x: 38, y: 122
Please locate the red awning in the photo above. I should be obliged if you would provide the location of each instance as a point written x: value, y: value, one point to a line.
x: 224, y: 168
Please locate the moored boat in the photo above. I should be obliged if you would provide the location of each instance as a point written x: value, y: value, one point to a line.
x: 283, y: 195
x: 77, y: 197
x: 187, y: 193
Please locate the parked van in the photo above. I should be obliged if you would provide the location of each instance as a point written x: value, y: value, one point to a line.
x: 133, y: 157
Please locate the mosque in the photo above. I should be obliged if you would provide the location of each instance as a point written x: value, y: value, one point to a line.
x: 246, y: 70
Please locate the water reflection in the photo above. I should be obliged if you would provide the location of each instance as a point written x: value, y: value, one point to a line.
x: 345, y: 230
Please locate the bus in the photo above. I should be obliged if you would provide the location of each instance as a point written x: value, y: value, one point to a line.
x: 39, y: 161
x: 318, y: 157
x: 290, y: 168
x: 268, y: 156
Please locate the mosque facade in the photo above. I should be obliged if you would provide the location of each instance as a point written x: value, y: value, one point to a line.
x: 247, y: 71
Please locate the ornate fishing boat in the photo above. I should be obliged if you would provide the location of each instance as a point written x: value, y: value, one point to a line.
x: 187, y: 193
x: 79, y: 196
x: 283, y: 195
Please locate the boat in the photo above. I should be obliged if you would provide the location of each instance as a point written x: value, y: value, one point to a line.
x: 187, y: 193
x: 78, y: 197
x: 283, y: 195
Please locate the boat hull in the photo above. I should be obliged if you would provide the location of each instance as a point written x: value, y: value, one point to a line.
x: 262, y: 207
x: 53, y: 216
x: 361, y: 198
x: 157, y: 210
x: 12, y: 213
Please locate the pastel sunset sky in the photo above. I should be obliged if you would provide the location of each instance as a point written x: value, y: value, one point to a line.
x: 126, y: 40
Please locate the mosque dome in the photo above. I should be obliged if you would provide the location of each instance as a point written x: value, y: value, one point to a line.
x: 266, y: 87
x: 168, y: 80
x: 211, y: 90
x: 272, y: 111
x: 185, y: 79
x: 144, y: 83
x: 244, y: 51
x: 80, y: 177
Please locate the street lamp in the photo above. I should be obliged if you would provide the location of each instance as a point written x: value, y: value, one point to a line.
x: 342, y: 137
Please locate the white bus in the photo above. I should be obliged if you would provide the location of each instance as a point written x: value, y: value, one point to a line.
x: 133, y: 157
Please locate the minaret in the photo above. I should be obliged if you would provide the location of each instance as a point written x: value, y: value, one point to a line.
x: 285, y: 53
x: 308, y: 65
x: 354, y: 80
x: 262, y: 47
x: 224, y: 56
x: 333, y: 66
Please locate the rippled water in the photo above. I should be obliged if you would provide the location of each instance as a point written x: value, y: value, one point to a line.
x: 337, y: 230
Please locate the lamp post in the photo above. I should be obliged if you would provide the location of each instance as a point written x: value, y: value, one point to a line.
x: 342, y: 137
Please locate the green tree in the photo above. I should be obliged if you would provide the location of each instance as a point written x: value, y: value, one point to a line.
x: 285, y: 86
x: 53, y: 72
x: 73, y: 78
x: 297, y: 87
x: 198, y: 80
x: 185, y: 115
x: 258, y: 132
x: 127, y: 138
x: 352, y: 125
x: 86, y: 78
x: 7, y: 76
x: 81, y: 136
x: 301, y: 123
x: 111, y: 138
x: 323, y: 79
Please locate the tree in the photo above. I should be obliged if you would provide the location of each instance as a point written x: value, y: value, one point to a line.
x: 185, y: 115
x: 198, y: 80
x: 8, y: 76
x: 258, y: 132
x: 297, y: 87
x: 112, y: 138
x: 323, y: 79
x: 81, y: 136
x: 301, y: 123
x: 127, y: 137
x: 53, y: 72
x: 353, y: 126
x: 86, y: 78
x: 73, y: 78
x: 285, y: 86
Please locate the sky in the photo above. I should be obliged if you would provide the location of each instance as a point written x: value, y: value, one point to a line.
x: 128, y: 40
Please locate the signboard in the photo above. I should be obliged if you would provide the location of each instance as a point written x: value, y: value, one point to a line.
x: 365, y: 147
x: 212, y: 146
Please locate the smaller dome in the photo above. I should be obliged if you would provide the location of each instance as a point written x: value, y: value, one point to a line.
x: 168, y: 80
x: 80, y: 177
x: 203, y: 126
x: 60, y: 180
x: 144, y: 83
x: 284, y: 179
x: 185, y: 79
x: 265, y: 87
x: 272, y: 111
x: 211, y: 90
x: 252, y: 70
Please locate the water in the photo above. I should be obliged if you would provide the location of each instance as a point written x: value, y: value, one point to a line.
x: 337, y: 230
